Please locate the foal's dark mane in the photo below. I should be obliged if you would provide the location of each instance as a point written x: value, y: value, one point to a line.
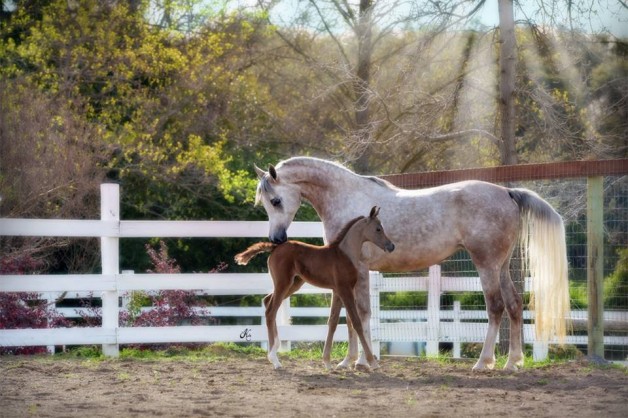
x: 344, y: 231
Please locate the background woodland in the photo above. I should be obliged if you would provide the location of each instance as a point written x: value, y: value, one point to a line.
x: 176, y: 100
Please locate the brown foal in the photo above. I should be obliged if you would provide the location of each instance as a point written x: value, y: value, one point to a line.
x: 333, y: 266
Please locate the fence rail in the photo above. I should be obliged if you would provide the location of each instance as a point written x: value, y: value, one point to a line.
x: 431, y: 325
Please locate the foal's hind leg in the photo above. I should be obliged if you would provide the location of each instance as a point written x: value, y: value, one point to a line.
x: 495, y: 309
x: 283, y: 289
x: 270, y: 302
x: 514, y: 307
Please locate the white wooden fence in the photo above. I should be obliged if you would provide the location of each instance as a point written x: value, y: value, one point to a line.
x: 430, y: 326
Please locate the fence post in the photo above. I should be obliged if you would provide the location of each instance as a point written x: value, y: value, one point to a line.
x: 375, y: 279
x: 457, y: 325
x: 433, y: 310
x: 110, y: 260
x: 595, y: 265
x: 283, y: 318
x: 51, y: 303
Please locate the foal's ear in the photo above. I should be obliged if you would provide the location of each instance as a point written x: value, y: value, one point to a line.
x: 259, y: 171
x: 272, y: 171
x: 374, y: 212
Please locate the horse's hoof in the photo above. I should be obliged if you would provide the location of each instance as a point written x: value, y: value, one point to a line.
x: 327, y: 366
x: 342, y: 365
x: 362, y: 366
x: 513, y: 367
x: 483, y: 367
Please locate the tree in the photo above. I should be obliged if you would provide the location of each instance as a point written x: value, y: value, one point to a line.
x: 507, y: 61
x: 112, y: 96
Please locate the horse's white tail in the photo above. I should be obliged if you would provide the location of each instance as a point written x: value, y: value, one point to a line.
x: 545, y: 257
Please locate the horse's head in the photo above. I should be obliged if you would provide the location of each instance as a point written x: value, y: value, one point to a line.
x: 374, y: 232
x: 281, y: 199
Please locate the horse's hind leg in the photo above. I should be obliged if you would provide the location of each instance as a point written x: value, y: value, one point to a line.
x: 332, y: 324
x: 514, y: 307
x: 494, y: 309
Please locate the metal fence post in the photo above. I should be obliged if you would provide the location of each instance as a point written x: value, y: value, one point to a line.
x: 110, y: 260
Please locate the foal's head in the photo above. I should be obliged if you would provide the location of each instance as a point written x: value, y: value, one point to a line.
x: 373, y: 231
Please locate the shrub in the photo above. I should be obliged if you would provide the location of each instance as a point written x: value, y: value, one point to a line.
x: 25, y: 309
x: 616, y: 285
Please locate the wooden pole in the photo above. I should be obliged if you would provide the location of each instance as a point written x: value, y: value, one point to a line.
x: 595, y: 264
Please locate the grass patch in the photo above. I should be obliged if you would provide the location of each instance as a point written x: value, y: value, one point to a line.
x: 314, y: 351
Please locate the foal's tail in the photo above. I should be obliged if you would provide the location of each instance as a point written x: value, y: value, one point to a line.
x: 261, y: 247
x: 545, y: 256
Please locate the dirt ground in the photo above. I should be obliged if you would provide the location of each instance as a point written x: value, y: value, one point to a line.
x: 247, y: 386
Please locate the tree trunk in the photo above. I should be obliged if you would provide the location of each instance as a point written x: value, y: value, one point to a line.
x: 507, y: 62
x: 508, y: 154
x: 361, y: 86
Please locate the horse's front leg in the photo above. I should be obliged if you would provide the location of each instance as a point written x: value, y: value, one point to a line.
x: 363, y: 304
x: 332, y: 324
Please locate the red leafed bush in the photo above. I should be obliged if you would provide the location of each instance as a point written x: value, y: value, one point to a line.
x: 25, y: 309
x: 170, y: 307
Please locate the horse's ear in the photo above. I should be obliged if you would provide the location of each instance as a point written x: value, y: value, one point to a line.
x: 272, y: 171
x: 374, y: 212
x: 259, y: 171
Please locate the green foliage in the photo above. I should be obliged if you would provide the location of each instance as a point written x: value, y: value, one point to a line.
x: 415, y: 300
x: 578, y: 295
x: 616, y: 285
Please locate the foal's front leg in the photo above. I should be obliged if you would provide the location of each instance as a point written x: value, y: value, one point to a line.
x: 348, y: 298
x: 332, y: 324
x: 363, y: 304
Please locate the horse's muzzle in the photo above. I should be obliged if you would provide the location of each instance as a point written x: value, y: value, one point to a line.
x: 279, y: 237
x: 390, y: 247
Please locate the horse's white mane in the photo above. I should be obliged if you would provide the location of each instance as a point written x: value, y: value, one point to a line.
x: 318, y: 163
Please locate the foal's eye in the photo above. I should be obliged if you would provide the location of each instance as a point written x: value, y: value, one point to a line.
x: 275, y: 201
x: 379, y: 229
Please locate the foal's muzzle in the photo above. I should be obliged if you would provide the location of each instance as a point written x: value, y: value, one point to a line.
x: 390, y: 247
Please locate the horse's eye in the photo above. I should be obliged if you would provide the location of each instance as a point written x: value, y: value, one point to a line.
x: 379, y: 229
x: 275, y: 201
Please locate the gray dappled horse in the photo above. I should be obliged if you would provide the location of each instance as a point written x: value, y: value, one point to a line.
x: 429, y: 225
